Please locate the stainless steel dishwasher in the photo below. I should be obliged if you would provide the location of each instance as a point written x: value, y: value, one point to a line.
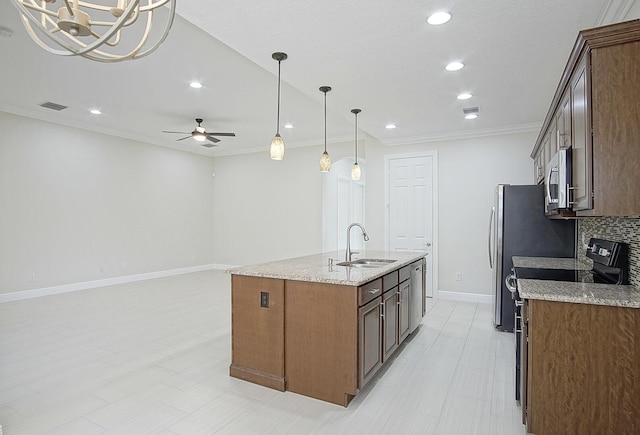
x: 416, y: 295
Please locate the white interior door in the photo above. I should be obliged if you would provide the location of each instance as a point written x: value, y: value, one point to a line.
x: 411, y: 193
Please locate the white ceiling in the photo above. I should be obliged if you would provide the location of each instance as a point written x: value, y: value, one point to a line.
x: 377, y: 55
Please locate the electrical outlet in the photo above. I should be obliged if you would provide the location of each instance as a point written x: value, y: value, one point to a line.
x: 101, y: 269
x: 458, y: 276
x: 264, y: 299
x: 32, y: 277
x: 124, y: 265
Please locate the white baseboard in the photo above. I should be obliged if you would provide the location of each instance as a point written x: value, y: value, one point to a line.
x: 66, y: 288
x: 465, y: 297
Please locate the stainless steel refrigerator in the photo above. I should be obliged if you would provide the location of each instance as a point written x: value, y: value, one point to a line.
x: 519, y: 227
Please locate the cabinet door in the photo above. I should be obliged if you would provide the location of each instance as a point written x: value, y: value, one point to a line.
x: 563, y: 122
x: 581, y: 128
x: 403, y: 310
x: 369, y: 341
x: 389, y: 323
x: 538, y: 170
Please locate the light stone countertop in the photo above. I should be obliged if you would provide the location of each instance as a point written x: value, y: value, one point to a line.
x: 315, y: 268
x: 576, y: 292
x: 549, y: 263
x: 581, y: 293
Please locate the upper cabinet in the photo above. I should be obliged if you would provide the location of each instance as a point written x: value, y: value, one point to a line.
x: 596, y: 112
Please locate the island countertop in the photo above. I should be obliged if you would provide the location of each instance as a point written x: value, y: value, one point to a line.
x: 316, y: 268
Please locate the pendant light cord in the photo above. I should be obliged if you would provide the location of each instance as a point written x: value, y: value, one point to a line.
x: 278, y: 120
x: 325, y: 121
x: 356, y: 138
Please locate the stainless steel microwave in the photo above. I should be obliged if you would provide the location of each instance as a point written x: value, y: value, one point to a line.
x: 558, y: 182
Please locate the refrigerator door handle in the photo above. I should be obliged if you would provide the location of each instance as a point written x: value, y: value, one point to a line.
x: 493, y: 212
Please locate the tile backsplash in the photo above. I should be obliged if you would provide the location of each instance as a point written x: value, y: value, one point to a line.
x: 617, y: 229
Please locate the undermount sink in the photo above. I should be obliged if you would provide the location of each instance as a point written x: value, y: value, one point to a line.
x: 366, y: 262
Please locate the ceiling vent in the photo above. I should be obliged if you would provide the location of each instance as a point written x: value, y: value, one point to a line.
x: 53, y: 106
x: 470, y: 110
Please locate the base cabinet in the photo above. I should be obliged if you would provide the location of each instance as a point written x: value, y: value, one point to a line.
x: 582, y: 369
x: 320, y: 340
x: 370, y: 340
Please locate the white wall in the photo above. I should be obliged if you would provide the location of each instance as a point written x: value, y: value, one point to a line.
x: 468, y: 170
x: 268, y: 210
x: 76, y: 206
x: 634, y: 11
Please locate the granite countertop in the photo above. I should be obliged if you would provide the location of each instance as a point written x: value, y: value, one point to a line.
x: 315, y: 268
x: 576, y: 292
x: 581, y: 293
x: 550, y: 263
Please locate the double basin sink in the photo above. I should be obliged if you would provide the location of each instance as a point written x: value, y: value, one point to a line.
x: 366, y: 263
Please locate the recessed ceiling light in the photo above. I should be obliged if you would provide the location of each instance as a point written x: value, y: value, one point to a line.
x: 454, y: 66
x: 288, y: 126
x: 464, y: 96
x: 390, y: 126
x: 471, y: 116
x: 438, y: 18
x: 195, y: 84
x: 95, y: 111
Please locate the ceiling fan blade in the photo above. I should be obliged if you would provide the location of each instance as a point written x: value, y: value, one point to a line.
x: 209, y: 145
x: 221, y: 134
x: 212, y: 139
x: 177, y: 132
x: 186, y: 137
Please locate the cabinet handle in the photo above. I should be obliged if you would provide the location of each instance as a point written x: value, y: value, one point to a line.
x: 382, y: 310
x: 373, y: 291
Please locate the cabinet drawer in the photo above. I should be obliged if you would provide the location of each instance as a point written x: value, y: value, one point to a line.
x: 369, y: 291
x: 389, y: 281
x: 405, y: 273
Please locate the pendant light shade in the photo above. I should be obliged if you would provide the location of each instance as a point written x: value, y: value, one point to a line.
x: 355, y: 170
x: 277, y: 144
x: 325, y: 160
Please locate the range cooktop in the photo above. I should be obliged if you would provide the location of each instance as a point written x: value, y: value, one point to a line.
x: 566, y: 275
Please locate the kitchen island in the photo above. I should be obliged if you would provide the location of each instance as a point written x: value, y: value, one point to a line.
x: 313, y: 327
x: 580, y: 349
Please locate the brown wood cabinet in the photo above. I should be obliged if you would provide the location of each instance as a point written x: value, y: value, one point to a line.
x: 596, y: 110
x: 581, y: 369
x: 369, y: 340
x: 320, y: 340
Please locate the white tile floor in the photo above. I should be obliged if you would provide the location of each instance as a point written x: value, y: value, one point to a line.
x: 152, y: 357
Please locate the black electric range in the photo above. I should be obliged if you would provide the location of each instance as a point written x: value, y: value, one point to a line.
x: 610, y: 266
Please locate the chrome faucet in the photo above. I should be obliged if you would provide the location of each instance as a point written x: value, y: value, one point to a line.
x: 348, y: 253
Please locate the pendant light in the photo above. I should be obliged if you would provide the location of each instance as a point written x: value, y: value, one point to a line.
x: 355, y: 170
x: 325, y: 160
x: 277, y: 144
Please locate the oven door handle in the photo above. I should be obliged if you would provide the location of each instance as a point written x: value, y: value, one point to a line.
x: 510, y: 282
x: 493, y: 212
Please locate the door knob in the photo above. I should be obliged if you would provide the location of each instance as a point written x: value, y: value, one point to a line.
x: 428, y: 244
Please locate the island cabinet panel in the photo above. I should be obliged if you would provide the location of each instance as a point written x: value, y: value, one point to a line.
x: 582, y: 372
x: 321, y: 340
x: 390, y: 313
x: 257, y: 332
x: 370, y: 341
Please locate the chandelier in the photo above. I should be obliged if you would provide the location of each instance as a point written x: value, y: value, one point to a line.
x: 104, y: 31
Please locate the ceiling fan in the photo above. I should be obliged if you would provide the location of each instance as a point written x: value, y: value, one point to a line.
x: 201, y: 135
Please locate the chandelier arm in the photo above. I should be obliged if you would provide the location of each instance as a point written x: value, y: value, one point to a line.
x: 39, y: 9
x: 150, y: 6
x: 69, y: 8
x: 37, y: 40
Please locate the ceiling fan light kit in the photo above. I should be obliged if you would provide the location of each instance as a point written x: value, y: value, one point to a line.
x: 201, y: 135
x: 277, y: 144
x: 325, y: 160
x: 93, y: 30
